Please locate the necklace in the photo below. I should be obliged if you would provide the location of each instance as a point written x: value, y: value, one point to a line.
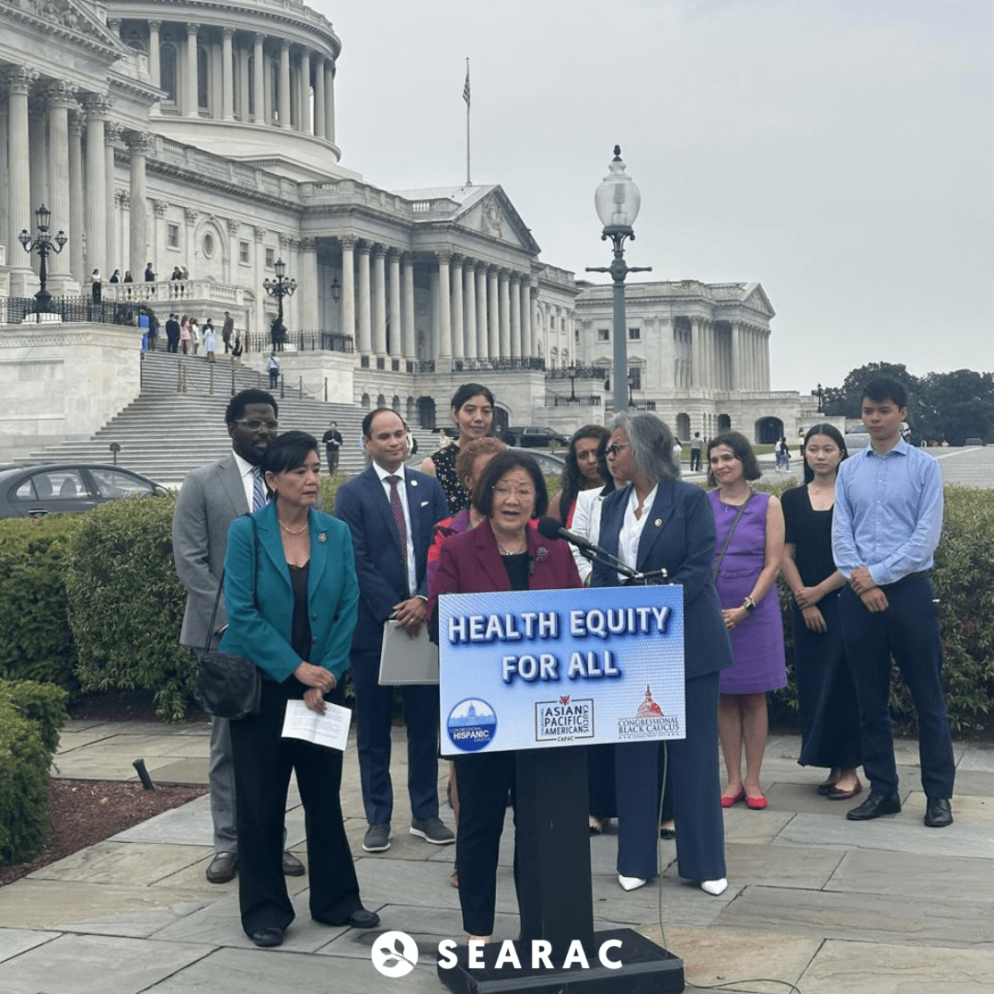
x: 508, y: 552
x: 295, y: 531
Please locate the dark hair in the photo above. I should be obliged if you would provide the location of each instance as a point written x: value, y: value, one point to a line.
x: 469, y: 390
x: 367, y: 421
x: 572, y: 477
x: 884, y: 388
x: 652, y: 445
x: 286, y: 452
x: 238, y: 403
x: 483, y: 495
x: 471, y: 451
x: 741, y: 449
x: 831, y: 432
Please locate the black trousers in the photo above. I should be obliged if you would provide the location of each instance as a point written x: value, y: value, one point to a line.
x: 263, y: 763
x: 908, y: 629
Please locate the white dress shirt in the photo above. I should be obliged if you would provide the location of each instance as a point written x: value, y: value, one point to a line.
x: 247, y: 471
x: 631, y: 528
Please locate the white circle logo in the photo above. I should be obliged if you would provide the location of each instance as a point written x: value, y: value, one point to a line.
x: 394, y: 954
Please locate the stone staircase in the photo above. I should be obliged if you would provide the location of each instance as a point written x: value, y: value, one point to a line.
x: 167, y: 432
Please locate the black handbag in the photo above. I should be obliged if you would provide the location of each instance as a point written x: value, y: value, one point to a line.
x: 229, y: 686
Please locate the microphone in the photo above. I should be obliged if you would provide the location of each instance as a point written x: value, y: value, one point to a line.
x: 551, y: 529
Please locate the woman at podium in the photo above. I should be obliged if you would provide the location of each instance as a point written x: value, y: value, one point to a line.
x: 651, y: 522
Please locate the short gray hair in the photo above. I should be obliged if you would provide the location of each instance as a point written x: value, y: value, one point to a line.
x: 652, y: 444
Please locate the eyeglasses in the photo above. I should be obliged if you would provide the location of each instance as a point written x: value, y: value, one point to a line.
x: 255, y: 424
x: 613, y: 450
x: 522, y: 493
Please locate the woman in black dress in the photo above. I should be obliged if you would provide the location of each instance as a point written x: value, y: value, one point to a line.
x: 830, y: 734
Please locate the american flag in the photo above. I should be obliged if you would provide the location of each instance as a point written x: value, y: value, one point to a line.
x: 465, y: 89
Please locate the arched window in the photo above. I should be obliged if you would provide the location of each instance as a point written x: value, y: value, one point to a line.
x: 203, y: 78
x: 167, y: 70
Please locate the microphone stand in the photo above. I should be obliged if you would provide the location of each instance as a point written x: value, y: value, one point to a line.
x: 596, y: 554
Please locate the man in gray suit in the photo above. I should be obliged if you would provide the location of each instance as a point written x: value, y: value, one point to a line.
x: 211, y: 498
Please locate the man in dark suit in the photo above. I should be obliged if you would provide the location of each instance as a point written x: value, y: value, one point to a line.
x: 211, y: 498
x: 172, y: 334
x: 391, y: 512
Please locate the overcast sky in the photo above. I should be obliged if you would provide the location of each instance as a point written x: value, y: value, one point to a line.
x: 839, y: 152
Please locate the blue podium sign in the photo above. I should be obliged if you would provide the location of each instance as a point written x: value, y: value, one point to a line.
x: 543, y: 668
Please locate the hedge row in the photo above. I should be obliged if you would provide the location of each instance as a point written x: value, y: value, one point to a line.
x: 96, y: 604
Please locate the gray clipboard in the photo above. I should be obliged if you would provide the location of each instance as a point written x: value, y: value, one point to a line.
x: 406, y: 660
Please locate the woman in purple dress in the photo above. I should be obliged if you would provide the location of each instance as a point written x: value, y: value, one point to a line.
x: 748, y: 554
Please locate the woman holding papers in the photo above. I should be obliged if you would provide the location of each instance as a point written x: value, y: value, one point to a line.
x: 653, y: 521
x: 502, y: 553
x: 291, y: 594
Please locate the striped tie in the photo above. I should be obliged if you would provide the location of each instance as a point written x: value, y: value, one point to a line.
x: 398, y: 517
x: 258, y: 490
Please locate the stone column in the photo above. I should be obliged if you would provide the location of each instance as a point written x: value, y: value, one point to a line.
x: 444, y: 306
x: 139, y: 144
x: 96, y: 185
x: 319, y: 108
x: 305, y: 91
x: 154, y: 70
x: 493, y: 315
x: 112, y: 131
x: 395, y: 343
x: 735, y: 372
x: 308, y: 293
x: 259, y: 80
x: 505, y: 315
x: 365, y: 335
x: 434, y: 345
x: 379, y: 302
x: 329, y: 101
x: 469, y: 309
x: 458, y: 343
x: 61, y: 97
x: 482, y: 336
x: 696, y: 353
x: 191, y: 95
x: 76, y: 205
x: 283, y: 96
x: 227, y: 76
x: 410, y: 336
x: 348, y: 243
x: 527, y: 339
x: 242, y: 111
x: 516, y: 316
x: 190, y: 235
x: 766, y: 359
x: 18, y: 80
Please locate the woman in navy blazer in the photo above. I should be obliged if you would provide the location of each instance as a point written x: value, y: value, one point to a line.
x: 658, y: 522
x: 502, y: 553
x: 291, y: 593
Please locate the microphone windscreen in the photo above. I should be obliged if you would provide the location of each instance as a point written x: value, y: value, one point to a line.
x: 549, y: 528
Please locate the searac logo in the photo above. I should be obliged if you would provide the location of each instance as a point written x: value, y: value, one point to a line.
x: 394, y: 954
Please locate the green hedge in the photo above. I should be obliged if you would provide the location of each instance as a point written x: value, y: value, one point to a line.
x: 126, y: 604
x: 35, y: 640
x: 31, y: 715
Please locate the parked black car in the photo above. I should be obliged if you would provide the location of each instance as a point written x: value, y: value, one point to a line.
x: 31, y: 491
x: 533, y: 435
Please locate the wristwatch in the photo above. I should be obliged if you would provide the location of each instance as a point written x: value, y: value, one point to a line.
x: 749, y: 604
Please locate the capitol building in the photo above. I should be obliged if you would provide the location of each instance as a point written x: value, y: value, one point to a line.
x: 200, y: 137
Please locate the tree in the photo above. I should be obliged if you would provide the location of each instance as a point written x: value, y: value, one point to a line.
x: 956, y: 406
x: 845, y: 400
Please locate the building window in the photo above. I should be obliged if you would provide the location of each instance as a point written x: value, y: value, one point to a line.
x: 167, y: 71
x: 270, y: 258
x: 172, y: 236
x: 243, y: 253
x: 634, y: 334
x: 603, y: 334
x: 209, y: 245
x: 635, y: 377
x: 203, y: 78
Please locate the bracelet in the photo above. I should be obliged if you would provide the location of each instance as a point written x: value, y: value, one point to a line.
x: 749, y: 604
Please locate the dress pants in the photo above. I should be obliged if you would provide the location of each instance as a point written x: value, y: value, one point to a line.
x: 374, y: 712
x: 221, y: 778
x: 263, y: 763
x: 909, y: 630
x: 694, y: 785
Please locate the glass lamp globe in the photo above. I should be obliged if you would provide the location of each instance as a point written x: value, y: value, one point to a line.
x: 617, y: 198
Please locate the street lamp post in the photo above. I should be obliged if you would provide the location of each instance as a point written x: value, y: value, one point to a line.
x: 43, y: 243
x: 279, y: 288
x: 631, y: 391
x: 617, y: 201
x: 572, y: 383
x: 821, y: 405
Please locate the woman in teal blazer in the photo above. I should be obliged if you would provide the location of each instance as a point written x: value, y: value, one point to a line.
x: 291, y: 594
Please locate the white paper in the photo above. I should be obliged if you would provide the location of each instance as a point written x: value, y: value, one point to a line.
x: 330, y: 729
x: 405, y: 660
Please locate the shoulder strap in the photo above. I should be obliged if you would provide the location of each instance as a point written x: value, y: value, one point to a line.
x: 731, y: 532
x: 220, y: 585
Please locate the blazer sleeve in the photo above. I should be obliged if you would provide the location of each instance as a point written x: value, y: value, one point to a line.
x: 695, y: 570
x: 343, y: 614
x: 445, y: 581
x: 191, y: 541
x: 249, y: 633
x: 439, y: 510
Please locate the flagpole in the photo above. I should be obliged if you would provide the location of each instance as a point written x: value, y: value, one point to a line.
x: 466, y: 97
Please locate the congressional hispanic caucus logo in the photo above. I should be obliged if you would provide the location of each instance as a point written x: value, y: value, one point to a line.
x: 564, y: 720
x: 472, y: 724
x: 394, y: 954
x: 649, y: 722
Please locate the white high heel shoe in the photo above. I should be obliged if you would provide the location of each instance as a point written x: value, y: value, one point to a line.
x: 714, y: 887
x: 631, y: 883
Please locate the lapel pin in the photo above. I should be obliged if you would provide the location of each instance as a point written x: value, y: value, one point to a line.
x: 322, y: 537
x: 658, y: 522
x: 414, y: 483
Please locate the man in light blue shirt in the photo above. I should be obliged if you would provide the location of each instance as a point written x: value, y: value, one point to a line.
x: 886, y: 525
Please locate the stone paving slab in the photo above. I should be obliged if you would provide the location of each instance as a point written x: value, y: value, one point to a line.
x: 93, y: 964
x: 908, y: 875
x: 805, y: 867
x: 183, y: 771
x: 756, y: 828
x: 14, y: 941
x: 977, y: 757
x: 865, y: 917
x: 110, y: 862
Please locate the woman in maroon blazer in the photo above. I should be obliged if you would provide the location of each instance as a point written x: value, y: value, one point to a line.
x: 502, y: 553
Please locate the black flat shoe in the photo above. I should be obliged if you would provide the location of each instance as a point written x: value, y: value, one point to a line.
x: 939, y: 813
x: 361, y: 918
x: 266, y: 937
x: 875, y: 806
x: 825, y: 788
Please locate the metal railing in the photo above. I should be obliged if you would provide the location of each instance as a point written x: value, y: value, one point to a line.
x: 577, y: 373
x: 498, y: 363
x: 301, y: 341
x: 72, y: 310
x: 573, y: 400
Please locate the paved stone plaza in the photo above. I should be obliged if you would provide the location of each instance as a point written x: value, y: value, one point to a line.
x: 888, y: 907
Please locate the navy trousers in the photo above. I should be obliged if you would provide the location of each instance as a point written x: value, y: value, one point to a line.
x: 374, y: 713
x: 908, y: 630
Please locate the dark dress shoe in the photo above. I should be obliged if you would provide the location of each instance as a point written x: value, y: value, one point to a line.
x: 292, y: 867
x: 875, y: 806
x: 361, y: 918
x: 938, y: 813
x: 222, y: 868
x: 266, y: 937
